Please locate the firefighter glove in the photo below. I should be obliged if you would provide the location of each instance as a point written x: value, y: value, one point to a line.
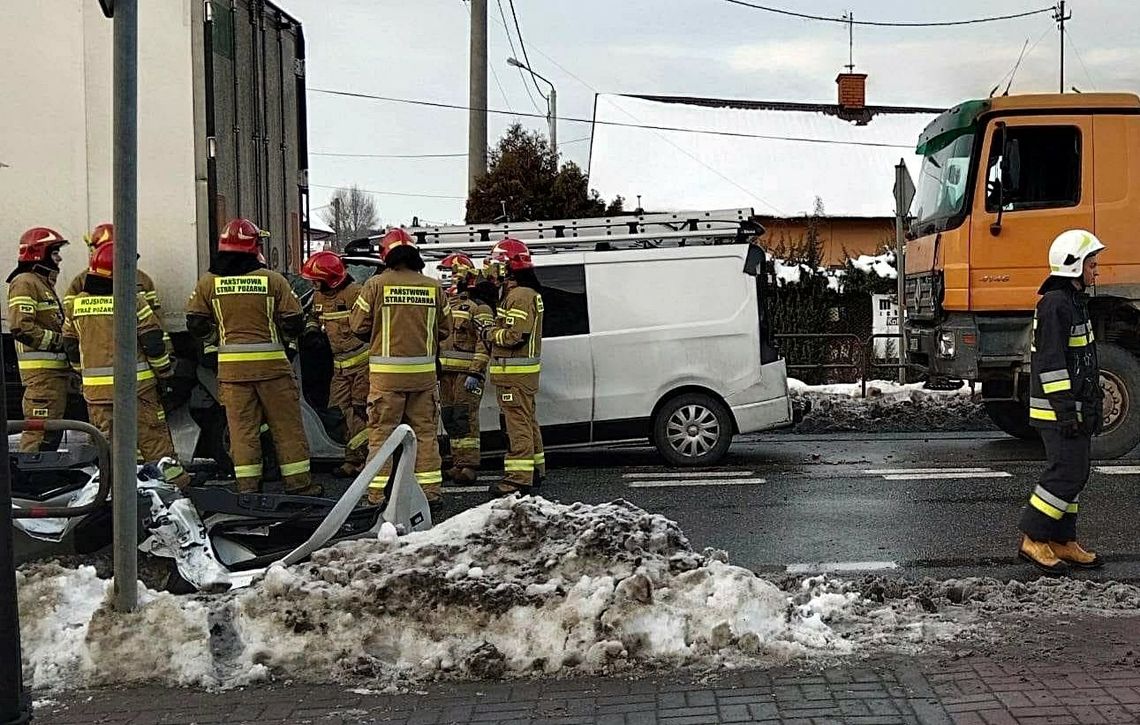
x: 1070, y: 424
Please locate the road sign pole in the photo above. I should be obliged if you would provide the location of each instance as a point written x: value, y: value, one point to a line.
x: 124, y: 499
x: 904, y: 195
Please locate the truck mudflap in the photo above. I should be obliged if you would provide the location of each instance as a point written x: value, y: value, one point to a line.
x: 212, y: 554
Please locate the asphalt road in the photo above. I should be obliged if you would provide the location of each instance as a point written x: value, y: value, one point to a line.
x: 940, y: 505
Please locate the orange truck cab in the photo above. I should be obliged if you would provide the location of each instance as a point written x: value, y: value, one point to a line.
x: 1000, y: 179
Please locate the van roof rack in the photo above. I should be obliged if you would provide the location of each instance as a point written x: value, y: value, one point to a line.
x: 631, y: 231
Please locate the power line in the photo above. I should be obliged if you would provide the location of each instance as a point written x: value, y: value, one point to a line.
x: 1080, y: 58
x: 394, y: 193
x: 387, y: 156
x: 651, y: 127
x: 522, y: 45
x: 891, y: 23
x: 511, y: 42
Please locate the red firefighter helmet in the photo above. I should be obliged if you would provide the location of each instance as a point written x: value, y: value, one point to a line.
x: 395, y: 237
x: 462, y: 268
x: 241, y: 235
x: 37, y: 244
x: 102, y: 263
x: 100, y: 235
x: 512, y: 254
x: 326, y: 267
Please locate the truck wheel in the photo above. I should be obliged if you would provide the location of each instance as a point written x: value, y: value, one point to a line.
x: 1012, y: 417
x: 693, y: 429
x: 1120, y: 382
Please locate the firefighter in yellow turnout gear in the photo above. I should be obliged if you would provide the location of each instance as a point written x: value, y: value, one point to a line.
x: 88, y: 341
x: 334, y: 294
x: 35, y: 317
x: 515, y: 344
x: 403, y: 314
x: 463, y: 365
x: 248, y: 311
x: 105, y: 234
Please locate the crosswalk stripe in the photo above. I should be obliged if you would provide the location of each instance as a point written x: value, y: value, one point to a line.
x: 1118, y: 470
x: 835, y: 567
x: 888, y: 471
x: 464, y: 489
x: 693, y: 474
x: 946, y: 475
x: 697, y: 482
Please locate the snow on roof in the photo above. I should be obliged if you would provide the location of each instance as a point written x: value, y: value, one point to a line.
x: 681, y: 170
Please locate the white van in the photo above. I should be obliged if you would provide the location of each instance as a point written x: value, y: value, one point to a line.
x: 644, y: 338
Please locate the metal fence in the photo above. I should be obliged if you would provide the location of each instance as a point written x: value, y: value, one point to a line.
x: 859, y: 350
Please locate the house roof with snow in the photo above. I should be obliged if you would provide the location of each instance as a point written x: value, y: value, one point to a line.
x: 774, y: 156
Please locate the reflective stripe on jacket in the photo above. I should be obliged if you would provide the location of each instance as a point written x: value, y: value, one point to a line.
x: 1065, y: 376
x: 247, y: 310
x: 35, y: 318
x: 405, y: 316
x: 516, y: 339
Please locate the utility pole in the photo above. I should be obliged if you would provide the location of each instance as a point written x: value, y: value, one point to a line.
x: 125, y: 68
x: 552, y: 119
x: 338, y: 225
x: 477, y: 97
x: 1060, y: 16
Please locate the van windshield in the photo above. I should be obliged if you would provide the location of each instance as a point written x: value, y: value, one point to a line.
x: 941, y: 191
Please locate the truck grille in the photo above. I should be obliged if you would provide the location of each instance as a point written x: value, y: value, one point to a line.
x: 922, y: 296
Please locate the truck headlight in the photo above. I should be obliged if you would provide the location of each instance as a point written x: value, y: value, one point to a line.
x: 946, y: 345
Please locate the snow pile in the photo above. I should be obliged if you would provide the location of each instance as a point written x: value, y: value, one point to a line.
x: 72, y: 638
x: 880, y: 265
x: 517, y: 587
x: 888, y: 407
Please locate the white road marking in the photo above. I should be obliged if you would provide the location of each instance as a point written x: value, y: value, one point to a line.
x: 946, y: 475
x: 694, y: 474
x: 464, y: 489
x: 1118, y: 470
x: 835, y: 567
x: 697, y: 482
x: 888, y: 471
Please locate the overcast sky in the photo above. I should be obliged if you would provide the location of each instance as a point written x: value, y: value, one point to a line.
x: 418, y: 49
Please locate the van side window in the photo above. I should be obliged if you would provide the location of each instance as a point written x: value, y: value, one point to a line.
x: 1040, y: 168
x: 564, y: 299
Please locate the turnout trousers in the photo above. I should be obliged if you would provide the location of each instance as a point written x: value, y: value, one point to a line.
x: 276, y: 403
x: 45, y: 398
x: 418, y: 408
x: 348, y: 391
x: 1051, y: 514
x: 461, y: 419
x: 154, y: 435
x: 525, y: 456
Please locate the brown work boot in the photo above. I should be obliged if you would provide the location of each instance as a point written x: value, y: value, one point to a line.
x: 1074, y: 554
x: 506, y: 488
x: 1040, y: 555
x: 313, y: 489
x: 248, y: 486
x: 464, y: 475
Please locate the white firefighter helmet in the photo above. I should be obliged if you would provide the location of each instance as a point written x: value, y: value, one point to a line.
x: 1069, y: 250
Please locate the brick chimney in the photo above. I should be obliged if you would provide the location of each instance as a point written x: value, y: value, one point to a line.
x: 852, y: 91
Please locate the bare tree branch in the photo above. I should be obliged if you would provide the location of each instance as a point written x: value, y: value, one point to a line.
x: 351, y: 214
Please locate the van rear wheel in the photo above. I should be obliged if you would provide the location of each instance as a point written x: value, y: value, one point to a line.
x: 692, y: 429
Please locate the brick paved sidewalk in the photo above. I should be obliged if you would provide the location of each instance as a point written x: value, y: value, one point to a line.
x: 1082, y: 672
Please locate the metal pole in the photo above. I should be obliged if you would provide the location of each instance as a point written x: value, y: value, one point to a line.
x: 1062, y: 22
x: 15, y: 706
x: 900, y: 271
x: 125, y: 422
x: 552, y: 119
x: 477, y: 98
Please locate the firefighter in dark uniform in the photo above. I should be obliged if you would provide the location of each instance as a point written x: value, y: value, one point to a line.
x: 1065, y: 404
